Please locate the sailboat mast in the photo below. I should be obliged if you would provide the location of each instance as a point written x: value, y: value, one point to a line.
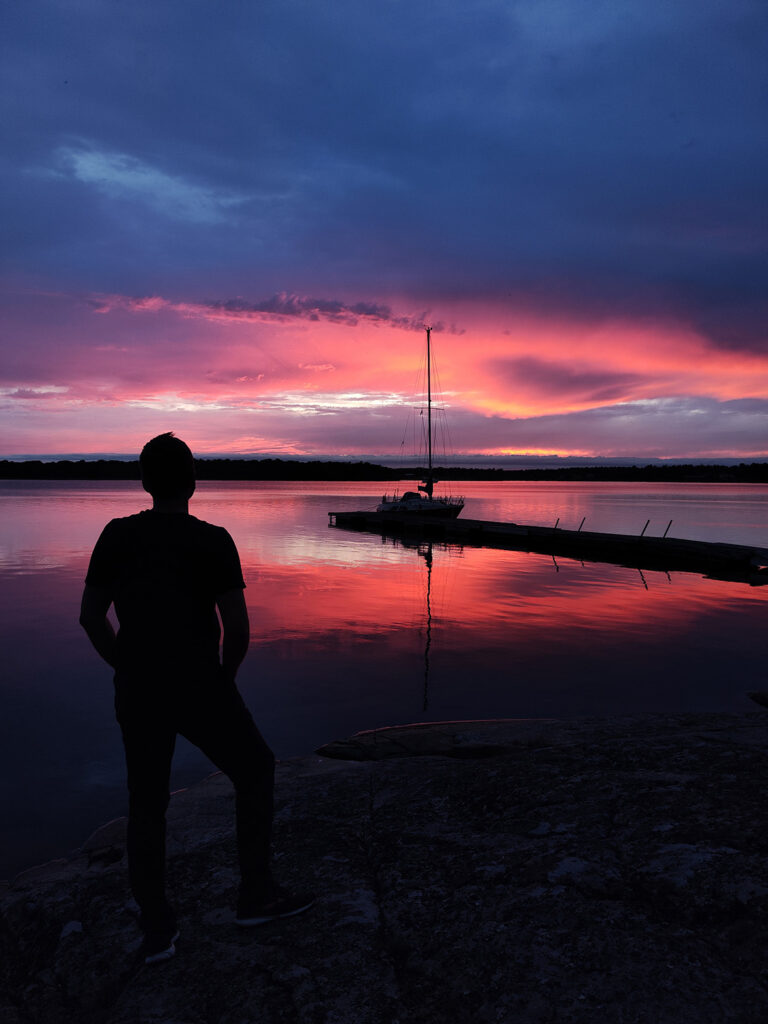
x: 429, y: 410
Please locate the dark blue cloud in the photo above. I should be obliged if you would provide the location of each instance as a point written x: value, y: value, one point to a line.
x: 609, y: 158
x: 333, y: 310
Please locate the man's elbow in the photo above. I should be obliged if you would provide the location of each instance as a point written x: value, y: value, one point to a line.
x: 238, y: 636
x: 234, y: 616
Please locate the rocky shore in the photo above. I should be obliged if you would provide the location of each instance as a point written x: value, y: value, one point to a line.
x: 602, y: 870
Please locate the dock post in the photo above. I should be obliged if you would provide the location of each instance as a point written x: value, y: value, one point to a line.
x: 581, y: 524
x: 557, y: 523
x: 667, y: 530
x: 645, y: 527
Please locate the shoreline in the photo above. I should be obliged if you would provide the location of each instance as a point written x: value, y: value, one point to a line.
x: 597, y: 868
x: 253, y: 470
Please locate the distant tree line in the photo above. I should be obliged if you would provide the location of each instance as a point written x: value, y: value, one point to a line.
x: 753, y: 472
x: 206, y: 469
x: 83, y: 469
x: 289, y: 469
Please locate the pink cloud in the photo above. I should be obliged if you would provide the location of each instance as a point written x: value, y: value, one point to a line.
x: 314, y: 377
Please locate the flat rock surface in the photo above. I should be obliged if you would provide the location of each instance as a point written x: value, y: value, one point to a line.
x: 606, y: 870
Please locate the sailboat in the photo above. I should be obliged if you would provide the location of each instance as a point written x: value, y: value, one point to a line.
x: 424, y: 502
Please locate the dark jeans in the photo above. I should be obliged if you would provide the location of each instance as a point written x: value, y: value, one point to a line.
x: 209, y: 712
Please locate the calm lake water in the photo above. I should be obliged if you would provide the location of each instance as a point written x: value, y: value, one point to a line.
x: 352, y: 632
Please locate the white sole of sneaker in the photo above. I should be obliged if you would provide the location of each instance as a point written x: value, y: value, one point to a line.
x: 250, y: 922
x: 164, y: 954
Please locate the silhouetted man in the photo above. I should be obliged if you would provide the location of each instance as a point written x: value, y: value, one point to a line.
x: 167, y: 573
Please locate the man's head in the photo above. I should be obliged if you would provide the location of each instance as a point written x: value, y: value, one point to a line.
x: 167, y: 467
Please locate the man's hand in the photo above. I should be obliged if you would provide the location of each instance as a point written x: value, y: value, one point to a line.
x: 93, y: 618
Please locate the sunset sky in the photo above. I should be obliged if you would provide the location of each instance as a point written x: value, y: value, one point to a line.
x: 233, y: 220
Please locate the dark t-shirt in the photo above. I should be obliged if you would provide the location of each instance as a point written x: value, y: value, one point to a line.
x: 164, y: 572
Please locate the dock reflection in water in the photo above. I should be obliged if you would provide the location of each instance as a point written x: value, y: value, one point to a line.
x: 507, y: 634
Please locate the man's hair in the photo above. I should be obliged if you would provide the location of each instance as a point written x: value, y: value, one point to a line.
x: 167, y: 467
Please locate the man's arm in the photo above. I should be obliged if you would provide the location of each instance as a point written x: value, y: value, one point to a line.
x: 237, y: 633
x: 93, y: 618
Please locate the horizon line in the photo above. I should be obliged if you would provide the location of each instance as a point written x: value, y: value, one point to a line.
x: 393, y: 462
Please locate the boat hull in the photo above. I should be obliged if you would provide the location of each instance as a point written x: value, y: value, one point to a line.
x: 443, y: 509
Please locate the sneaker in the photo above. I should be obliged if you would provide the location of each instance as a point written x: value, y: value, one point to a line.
x: 159, y: 946
x: 280, y: 903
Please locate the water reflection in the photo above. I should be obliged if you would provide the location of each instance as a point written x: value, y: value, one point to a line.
x: 501, y: 594
x: 352, y: 631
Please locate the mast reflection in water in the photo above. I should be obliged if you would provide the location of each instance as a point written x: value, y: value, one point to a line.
x: 426, y: 553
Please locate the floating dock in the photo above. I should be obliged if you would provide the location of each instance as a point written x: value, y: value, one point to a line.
x: 732, y: 562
